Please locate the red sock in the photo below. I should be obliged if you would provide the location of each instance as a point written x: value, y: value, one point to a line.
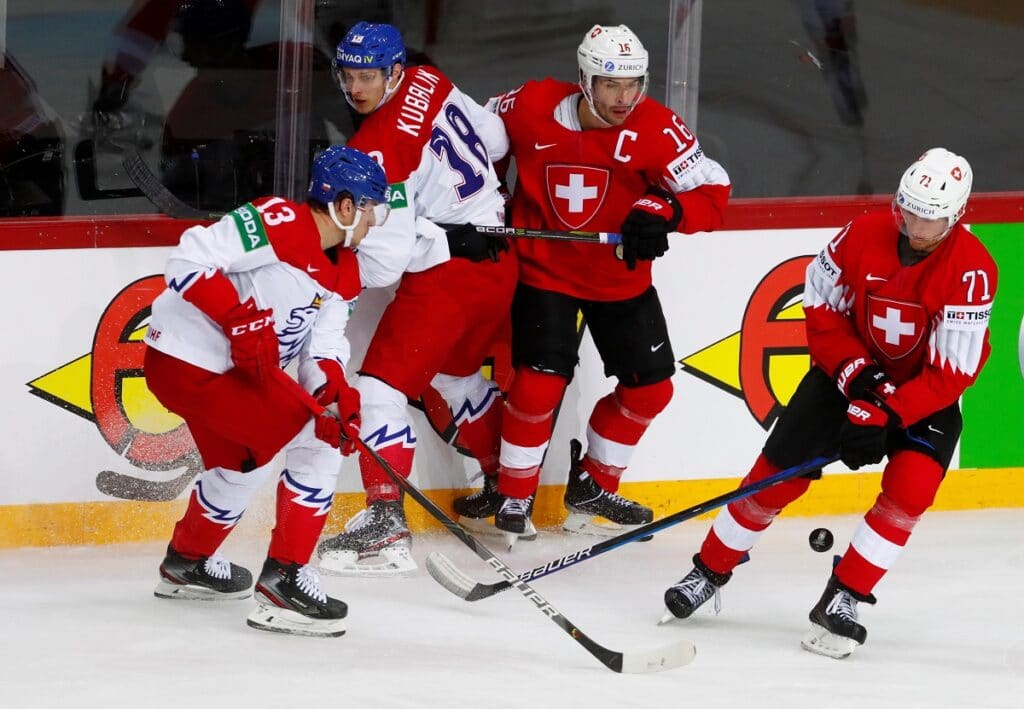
x: 203, y: 528
x: 301, y: 513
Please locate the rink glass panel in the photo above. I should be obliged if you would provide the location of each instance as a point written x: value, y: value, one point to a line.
x: 800, y: 98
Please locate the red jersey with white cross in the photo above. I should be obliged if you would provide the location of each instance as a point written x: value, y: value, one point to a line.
x: 572, y: 179
x: 926, y: 324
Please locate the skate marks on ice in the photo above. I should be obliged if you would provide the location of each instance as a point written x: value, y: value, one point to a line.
x: 88, y: 627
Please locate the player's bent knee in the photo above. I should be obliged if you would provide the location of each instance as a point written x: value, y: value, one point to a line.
x: 911, y: 481
x: 536, y: 392
x: 646, y: 401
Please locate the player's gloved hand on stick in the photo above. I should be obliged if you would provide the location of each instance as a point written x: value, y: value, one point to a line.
x: 327, y: 393
x: 465, y: 242
x: 340, y: 432
x: 863, y: 436
x: 647, y: 226
x: 860, y: 378
x: 337, y: 390
x: 250, y: 332
x: 327, y: 427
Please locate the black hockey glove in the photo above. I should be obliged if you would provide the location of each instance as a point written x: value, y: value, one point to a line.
x: 864, y: 435
x: 646, y: 228
x: 465, y: 242
x: 861, y: 378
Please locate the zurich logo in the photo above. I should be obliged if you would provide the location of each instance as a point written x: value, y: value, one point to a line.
x: 609, y: 66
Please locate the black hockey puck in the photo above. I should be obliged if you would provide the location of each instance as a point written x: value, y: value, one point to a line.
x: 821, y: 539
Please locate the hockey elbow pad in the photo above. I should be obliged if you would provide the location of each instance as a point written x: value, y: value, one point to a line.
x: 212, y: 293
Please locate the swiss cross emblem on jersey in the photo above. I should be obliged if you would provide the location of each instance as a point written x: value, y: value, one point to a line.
x: 896, y: 327
x: 576, y: 192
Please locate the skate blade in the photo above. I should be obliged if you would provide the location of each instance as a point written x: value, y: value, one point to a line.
x: 189, y: 592
x: 821, y: 642
x: 390, y: 562
x: 667, y: 617
x: 485, y: 525
x: 281, y: 620
x: 582, y: 523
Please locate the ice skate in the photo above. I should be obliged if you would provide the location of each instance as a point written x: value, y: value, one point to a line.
x: 476, y: 512
x: 835, y: 631
x: 289, y: 600
x: 211, y: 578
x: 594, y: 510
x: 513, y: 520
x: 693, y: 591
x: 376, y: 542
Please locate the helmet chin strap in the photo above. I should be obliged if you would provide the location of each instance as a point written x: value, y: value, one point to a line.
x: 387, y: 92
x: 347, y: 230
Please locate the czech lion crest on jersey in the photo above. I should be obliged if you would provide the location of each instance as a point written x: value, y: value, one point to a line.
x: 896, y: 327
x: 576, y: 192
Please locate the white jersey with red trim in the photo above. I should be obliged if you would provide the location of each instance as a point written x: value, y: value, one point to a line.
x: 437, y: 146
x: 270, y: 251
x: 925, y: 324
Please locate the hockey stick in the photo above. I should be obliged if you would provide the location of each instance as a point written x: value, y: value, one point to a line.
x: 157, y: 193
x: 448, y: 575
x: 673, y: 655
x: 84, y: 160
x: 128, y: 487
x: 593, y: 237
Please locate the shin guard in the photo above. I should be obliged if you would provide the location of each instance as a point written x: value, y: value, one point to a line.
x: 216, y: 505
x: 305, y: 492
x: 526, y: 430
x: 387, y: 428
x: 476, y: 407
x: 909, y: 485
x: 616, y: 425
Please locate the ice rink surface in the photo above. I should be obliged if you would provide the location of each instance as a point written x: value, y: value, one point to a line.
x: 82, y: 629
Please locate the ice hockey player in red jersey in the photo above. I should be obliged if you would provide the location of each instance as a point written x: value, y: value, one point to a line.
x: 436, y: 145
x: 599, y: 155
x: 897, y: 308
x: 246, y: 296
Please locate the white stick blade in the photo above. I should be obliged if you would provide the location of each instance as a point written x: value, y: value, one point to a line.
x: 660, y: 659
x: 442, y: 570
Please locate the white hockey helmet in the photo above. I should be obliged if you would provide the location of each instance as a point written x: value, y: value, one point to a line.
x: 612, y: 51
x: 936, y: 186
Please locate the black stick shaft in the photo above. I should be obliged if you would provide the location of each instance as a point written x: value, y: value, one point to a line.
x: 556, y: 565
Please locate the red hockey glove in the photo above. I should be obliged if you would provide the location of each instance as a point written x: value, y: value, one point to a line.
x: 337, y: 390
x: 253, y: 341
x: 341, y: 432
x: 327, y: 393
x: 863, y: 437
x: 646, y: 228
x: 348, y: 412
x: 861, y: 378
x: 327, y: 428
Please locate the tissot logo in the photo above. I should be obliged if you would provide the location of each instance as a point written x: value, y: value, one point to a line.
x: 970, y: 315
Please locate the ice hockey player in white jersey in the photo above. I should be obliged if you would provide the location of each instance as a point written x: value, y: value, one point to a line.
x: 246, y: 296
x: 437, y: 146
